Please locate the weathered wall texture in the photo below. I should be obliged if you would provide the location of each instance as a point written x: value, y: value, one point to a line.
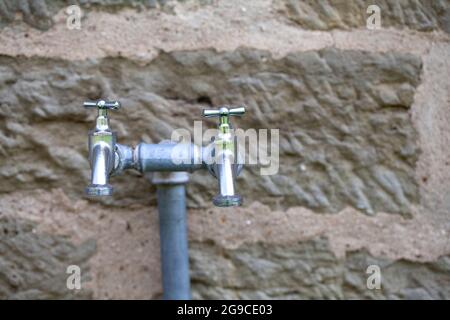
x: 364, y: 146
x: 421, y: 15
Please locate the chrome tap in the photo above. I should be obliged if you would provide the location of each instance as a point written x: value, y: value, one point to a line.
x: 102, y: 145
x: 106, y: 157
x: 225, y: 165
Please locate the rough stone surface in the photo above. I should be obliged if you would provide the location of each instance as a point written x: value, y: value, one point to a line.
x: 329, y: 252
x: 118, y: 253
x: 34, y: 13
x: 421, y: 15
x: 347, y: 114
x: 418, y: 239
x: 143, y: 35
x: 33, y: 265
x: 368, y: 109
x: 39, y: 13
x: 308, y: 270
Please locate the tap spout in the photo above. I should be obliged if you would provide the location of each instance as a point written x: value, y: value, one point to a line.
x: 225, y: 171
x: 101, y: 165
x: 226, y: 165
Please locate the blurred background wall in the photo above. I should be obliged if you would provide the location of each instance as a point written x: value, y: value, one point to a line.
x: 364, y: 119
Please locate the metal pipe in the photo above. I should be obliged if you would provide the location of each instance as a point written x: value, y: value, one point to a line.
x: 173, y: 234
x: 168, y: 161
x: 168, y: 156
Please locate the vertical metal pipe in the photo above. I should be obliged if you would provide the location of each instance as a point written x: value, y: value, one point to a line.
x: 173, y: 235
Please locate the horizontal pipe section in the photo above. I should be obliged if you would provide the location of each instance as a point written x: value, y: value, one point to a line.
x: 168, y: 157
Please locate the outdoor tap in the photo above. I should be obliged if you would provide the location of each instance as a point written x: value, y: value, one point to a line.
x: 225, y: 165
x: 102, y: 149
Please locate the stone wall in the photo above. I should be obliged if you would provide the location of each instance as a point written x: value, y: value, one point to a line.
x: 364, y: 146
x: 421, y: 15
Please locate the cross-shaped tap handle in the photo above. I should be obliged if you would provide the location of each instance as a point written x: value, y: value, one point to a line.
x: 223, y: 112
x: 102, y: 104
